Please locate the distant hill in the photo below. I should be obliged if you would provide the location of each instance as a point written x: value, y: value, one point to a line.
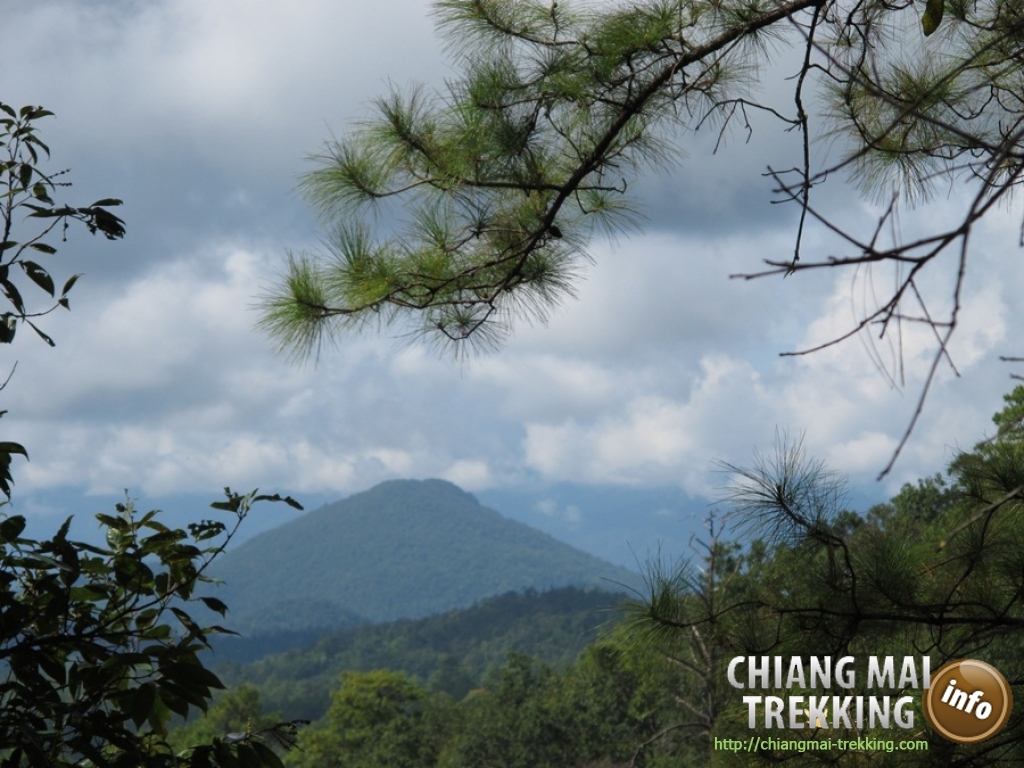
x: 403, y: 549
x: 450, y: 651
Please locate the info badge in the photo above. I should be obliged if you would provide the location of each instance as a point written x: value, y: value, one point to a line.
x: 969, y: 701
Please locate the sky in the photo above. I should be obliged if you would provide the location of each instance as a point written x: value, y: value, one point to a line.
x: 201, y: 116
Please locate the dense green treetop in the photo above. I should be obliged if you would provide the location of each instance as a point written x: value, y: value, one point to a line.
x: 939, y: 572
x: 449, y: 652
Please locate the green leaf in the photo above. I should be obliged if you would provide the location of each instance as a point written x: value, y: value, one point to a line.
x: 191, y: 676
x: 108, y: 201
x: 116, y: 523
x: 90, y: 593
x: 200, y: 757
x: 53, y: 666
x: 277, y: 497
x: 141, y: 706
x: 11, y: 528
x: 233, y: 504
x: 13, y: 448
x: 206, y: 529
x: 8, y: 327
x: 933, y: 12
x: 37, y: 274
x: 266, y: 754
x: 188, y: 623
x: 8, y: 110
x: 41, y: 212
x: 225, y: 757
x: 175, y: 698
x: 6, y: 480
x: 31, y: 141
x: 42, y: 335
x: 69, y: 284
x: 149, y: 520
x: 42, y: 247
x: 39, y: 192
x: 116, y: 540
x: 127, y: 661
x: 99, y: 219
x: 12, y: 293
x: 216, y: 629
x: 214, y: 605
x: 62, y: 532
x: 159, y: 715
x: 247, y: 755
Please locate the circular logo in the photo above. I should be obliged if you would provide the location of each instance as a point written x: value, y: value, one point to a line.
x: 969, y: 701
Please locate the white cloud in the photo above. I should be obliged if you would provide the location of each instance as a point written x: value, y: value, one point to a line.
x: 662, y: 365
x: 469, y: 474
x: 233, y: 81
x: 163, y: 383
x: 544, y: 385
x: 550, y: 508
x: 546, y: 507
x: 655, y: 439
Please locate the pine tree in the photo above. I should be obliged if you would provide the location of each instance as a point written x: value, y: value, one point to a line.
x: 938, y: 572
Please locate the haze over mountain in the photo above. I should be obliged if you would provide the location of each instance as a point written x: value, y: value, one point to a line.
x: 403, y: 549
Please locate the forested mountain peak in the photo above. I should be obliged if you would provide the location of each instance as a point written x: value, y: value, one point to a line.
x: 402, y: 549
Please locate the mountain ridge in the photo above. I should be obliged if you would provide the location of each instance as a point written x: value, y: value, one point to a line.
x: 402, y: 549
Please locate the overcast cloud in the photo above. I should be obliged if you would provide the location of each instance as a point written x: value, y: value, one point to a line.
x: 199, y: 115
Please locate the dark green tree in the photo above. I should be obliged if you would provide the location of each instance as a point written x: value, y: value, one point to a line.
x: 25, y: 188
x: 235, y: 715
x: 512, y: 722
x: 686, y: 656
x: 378, y: 719
x: 97, y: 647
x: 938, y: 572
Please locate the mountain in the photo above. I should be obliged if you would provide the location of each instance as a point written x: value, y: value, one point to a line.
x: 403, y: 549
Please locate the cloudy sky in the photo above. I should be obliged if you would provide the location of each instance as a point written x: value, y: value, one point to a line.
x: 201, y: 115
